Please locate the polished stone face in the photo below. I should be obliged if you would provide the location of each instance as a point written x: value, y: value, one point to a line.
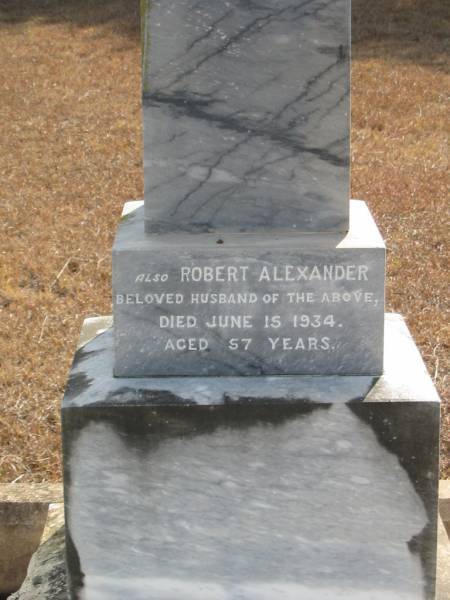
x: 246, y: 115
x: 311, y: 304
x: 302, y: 503
x: 251, y: 488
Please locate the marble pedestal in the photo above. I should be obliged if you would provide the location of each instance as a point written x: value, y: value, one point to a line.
x: 232, y: 304
x: 251, y: 488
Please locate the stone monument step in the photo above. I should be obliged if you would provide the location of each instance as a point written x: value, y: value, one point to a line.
x: 196, y: 304
x: 246, y: 111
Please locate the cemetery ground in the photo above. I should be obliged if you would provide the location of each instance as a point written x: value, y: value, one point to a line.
x: 72, y: 154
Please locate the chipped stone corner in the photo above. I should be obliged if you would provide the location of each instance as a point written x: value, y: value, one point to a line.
x: 92, y: 327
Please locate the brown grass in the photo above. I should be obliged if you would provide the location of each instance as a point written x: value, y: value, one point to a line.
x: 400, y: 148
x: 71, y: 155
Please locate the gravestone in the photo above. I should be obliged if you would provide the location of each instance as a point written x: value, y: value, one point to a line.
x: 252, y: 426
x: 246, y: 132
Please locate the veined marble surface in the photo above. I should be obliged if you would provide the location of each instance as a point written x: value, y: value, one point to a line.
x: 300, y: 503
x: 251, y: 488
x: 154, y: 295
x: 246, y: 115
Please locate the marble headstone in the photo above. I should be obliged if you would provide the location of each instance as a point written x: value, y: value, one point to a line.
x: 244, y: 430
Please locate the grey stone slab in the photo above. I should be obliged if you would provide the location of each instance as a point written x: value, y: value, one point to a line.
x: 246, y: 115
x: 249, y: 488
x: 311, y: 505
x: 194, y: 304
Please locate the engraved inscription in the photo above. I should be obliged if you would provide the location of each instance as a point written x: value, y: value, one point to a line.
x: 254, y: 308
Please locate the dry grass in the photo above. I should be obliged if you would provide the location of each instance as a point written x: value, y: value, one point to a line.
x: 71, y: 155
x: 401, y: 145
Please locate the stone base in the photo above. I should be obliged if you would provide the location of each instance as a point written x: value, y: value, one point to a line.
x: 46, y: 578
x: 246, y: 116
x: 227, y: 488
x: 48, y: 568
x: 199, y: 304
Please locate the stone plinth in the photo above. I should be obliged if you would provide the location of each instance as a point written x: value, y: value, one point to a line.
x: 195, y: 304
x: 246, y: 115
x: 250, y: 488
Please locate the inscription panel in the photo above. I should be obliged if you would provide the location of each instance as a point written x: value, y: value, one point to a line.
x: 272, y: 312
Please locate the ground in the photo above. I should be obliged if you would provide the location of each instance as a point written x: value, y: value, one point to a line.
x: 70, y: 125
